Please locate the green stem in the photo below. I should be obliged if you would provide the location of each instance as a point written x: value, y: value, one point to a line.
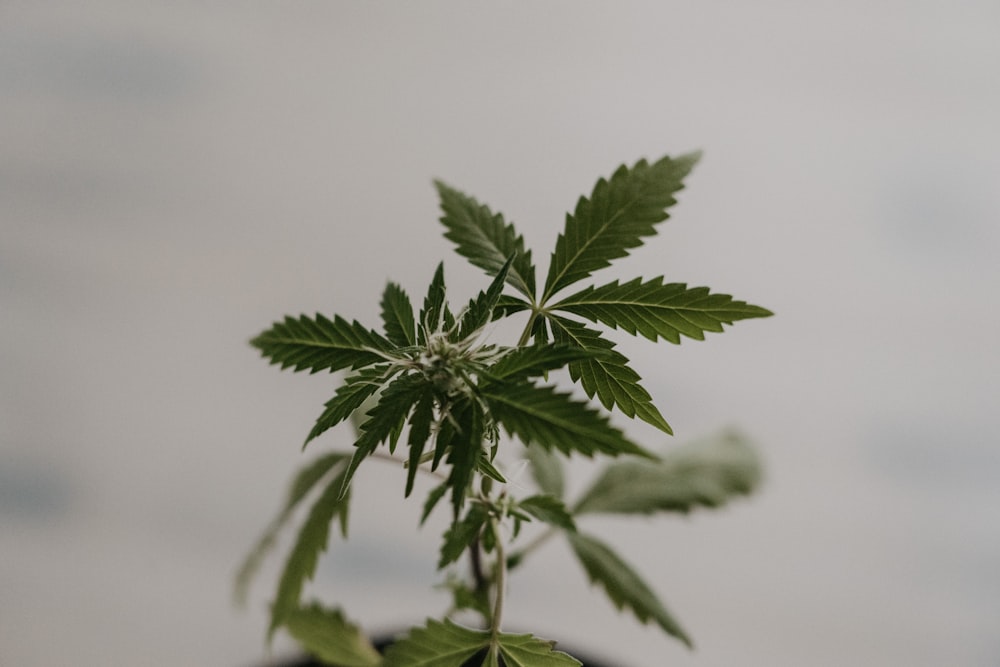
x: 500, y: 581
x: 526, y: 334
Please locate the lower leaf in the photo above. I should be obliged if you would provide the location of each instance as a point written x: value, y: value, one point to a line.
x: 331, y: 638
x: 623, y: 585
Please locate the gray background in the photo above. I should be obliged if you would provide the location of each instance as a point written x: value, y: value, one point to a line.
x: 175, y: 176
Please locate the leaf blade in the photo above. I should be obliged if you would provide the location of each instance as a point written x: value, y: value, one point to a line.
x: 397, y: 316
x: 329, y: 636
x: 607, y: 376
x: 438, y: 644
x: 624, y: 586
x: 540, y: 415
x: 708, y: 473
x: 657, y: 310
x: 485, y: 239
x: 305, y: 480
x: 618, y: 214
x: 320, y: 344
x: 311, y: 541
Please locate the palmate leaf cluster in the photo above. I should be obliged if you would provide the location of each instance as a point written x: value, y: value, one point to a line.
x: 426, y: 379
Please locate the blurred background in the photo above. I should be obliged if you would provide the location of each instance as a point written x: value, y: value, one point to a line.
x: 175, y: 176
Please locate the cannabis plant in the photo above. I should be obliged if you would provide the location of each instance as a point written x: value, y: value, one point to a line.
x: 429, y: 392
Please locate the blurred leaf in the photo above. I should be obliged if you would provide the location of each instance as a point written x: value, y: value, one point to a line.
x: 622, y: 584
x: 548, y: 509
x: 449, y: 645
x: 310, y: 543
x: 547, y: 470
x: 436, y: 645
x: 304, y: 481
x: 703, y: 474
x: 327, y: 635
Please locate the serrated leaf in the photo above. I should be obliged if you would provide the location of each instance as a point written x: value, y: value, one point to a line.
x: 397, y: 316
x: 465, y: 451
x: 310, y: 543
x: 480, y: 310
x: 529, y: 651
x: 445, y: 644
x: 438, y: 644
x: 330, y: 637
x: 484, y: 239
x: 618, y: 214
x: 541, y: 415
x: 434, y: 316
x: 548, y: 509
x: 307, y: 478
x: 652, y: 309
x: 509, y: 305
x: 709, y: 473
x: 386, y: 419
x: 547, y: 471
x: 349, y: 397
x: 461, y: 534
x: 420, y: 430
x: 623, y: 585
x: 536, y: 360
x: 608, y: 375
x: 320, y: 344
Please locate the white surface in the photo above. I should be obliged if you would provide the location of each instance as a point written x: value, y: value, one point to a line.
x: 174, y: 177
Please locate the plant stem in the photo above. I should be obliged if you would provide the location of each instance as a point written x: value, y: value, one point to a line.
x: 526, y: 334
x: 500, y: 581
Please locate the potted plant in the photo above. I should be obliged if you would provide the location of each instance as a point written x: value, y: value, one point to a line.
x: 427, y: 394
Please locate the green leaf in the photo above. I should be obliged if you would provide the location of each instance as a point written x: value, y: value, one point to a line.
x: 703, y: 474
x: 386, y: 419
x: 620, y: 212
x: 435, y: 496
x: 608, y: 375
x: 540, y: 415
x: 445, y: 644
x: 465, y: 451
x: 528, y: 651
x: 439, y: 644
x: 546, y: 469
x: 327, y: 635
x: 622, y: 584
x: 420, y: 430
x: 307, y: 478
x: 484, y: 239
x: 509, y: 305
x: 548, y: 509
x: 435, y: 315
x: 480, y: 310
x: 536, y: 360
x: 397, y: 316
x: 310, y: 543
x: 653, y: 309
x: 319, y: 344
x: 349, y: 397
x: 461, y: 534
